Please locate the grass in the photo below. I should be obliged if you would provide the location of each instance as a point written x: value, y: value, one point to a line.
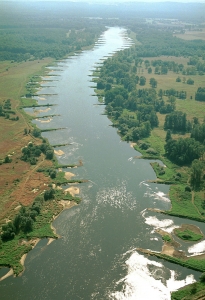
x: 166, y: 238
x: 182, y: 205
x: 12, y: 251
x: 190, y: 292
x: 188, y: 235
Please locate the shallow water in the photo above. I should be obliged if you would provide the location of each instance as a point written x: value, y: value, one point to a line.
x: 96, y: 256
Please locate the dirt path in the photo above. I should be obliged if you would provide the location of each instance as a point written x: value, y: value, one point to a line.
x: 29, y: 174
x: 192, y: 200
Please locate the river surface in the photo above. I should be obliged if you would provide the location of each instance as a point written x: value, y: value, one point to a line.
x: 96, y: 256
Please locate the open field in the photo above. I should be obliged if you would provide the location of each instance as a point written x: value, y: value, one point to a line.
x: 192, y: 35
x: 18, y: 179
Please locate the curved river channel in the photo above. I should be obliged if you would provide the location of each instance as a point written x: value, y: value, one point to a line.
x: 96, y: 256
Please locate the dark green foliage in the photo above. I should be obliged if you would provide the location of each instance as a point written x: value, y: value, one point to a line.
x: 151, y: 151
x: 187, y: 188
x: 166, y: 238
x: 7, y: 159
x: 168, y: 135
x: 100, y: 85
x: 200, y: 94
x: 153, y: 82
x: 142, y: 80
x: 176, y: 121
x: 36, y: 132
x: 183, y: 151
x: 49, y: 154
x: 52, y: 174
x: 149, y: 70
x: 144, y: 146
x: 32, y: 152
x: 8, y: 231
x: 196, y: 174
x: 178, y: 79
x: 156, y: 42
x: 49, y: 194
x: 198, y: 132
x: 202, y: 278
x: 190, y: 81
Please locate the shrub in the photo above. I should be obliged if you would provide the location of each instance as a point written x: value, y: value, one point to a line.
x: 151, y: 151
x: 187, y: 188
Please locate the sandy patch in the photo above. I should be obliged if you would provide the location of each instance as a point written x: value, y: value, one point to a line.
x: 73, y: 190
x: 59, y: 152
x: 17, y: 207
x: 23, y: 258
x: 168, y: 250
x: 10, y: 272
x: 50, y: 240
x: 44, y: 121
x: 132, y: 145
x: 68, y: 175
x: 41, y: 110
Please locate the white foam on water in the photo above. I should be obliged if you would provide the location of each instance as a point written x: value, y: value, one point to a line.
x: 173, y: 284
x: 117, y: 197
x: 143, y: 284
x: 197, y: 248
x: 157, y: 195
x: 153, y: 221
x: 165, y: 224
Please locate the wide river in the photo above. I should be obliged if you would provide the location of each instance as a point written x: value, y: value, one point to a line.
x: 96, y: 256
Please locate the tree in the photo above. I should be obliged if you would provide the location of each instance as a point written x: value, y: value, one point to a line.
x: 36, y: 132
x: 202, y: 278
x: 168, y: 135
x: 190, y: 81
x: 178, y: 79
x: 142, y: 80
x: 49, y: 194
x: 8, y: 231
x: 149, y: 70
x: 7, y: 159
x: 196, y: 174
x: 49, y: 154
x: 26, y: 224
x: 153, y: 82
x: 160, y: 93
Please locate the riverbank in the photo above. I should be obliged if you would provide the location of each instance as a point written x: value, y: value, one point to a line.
x: 28, y: 181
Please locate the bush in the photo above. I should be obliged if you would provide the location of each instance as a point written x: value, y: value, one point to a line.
x: 7, y: 159
x: 49, y: 154
x: 144, y: 146
x: 190, y: 81
x: 49, y: 194
x: 187, y: 188
x: 202, y: 278
x: 151, y: 151
x: 36, y: 132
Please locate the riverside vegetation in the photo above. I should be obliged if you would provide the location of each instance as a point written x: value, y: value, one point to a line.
x: 154, y: 95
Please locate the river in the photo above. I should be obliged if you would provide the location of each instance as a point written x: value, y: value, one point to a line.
x: 96, y: 256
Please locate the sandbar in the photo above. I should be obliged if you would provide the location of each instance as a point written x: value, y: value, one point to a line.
x: 59, y: 152
x: 10, y: 272
x: 73, y: 190
x: 68, y: 175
